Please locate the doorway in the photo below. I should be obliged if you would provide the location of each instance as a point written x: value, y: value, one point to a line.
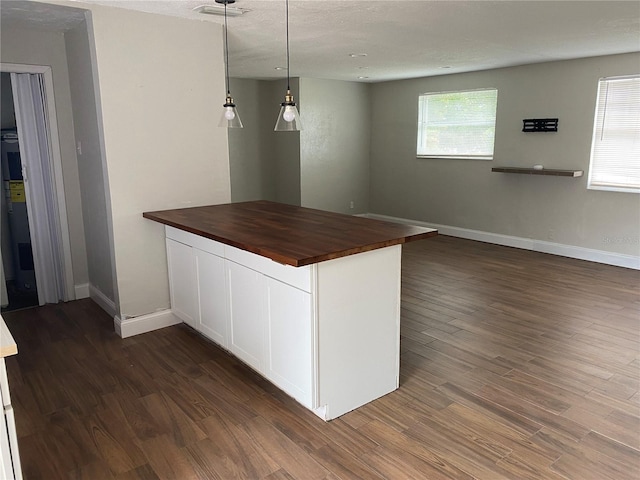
x: 19, y: 288
x: 34, y: 227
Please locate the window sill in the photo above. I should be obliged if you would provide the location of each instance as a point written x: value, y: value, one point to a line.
x: 461, y: 157
x: 613, y: 189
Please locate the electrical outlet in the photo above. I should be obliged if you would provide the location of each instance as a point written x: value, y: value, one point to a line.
x: 351, y: 204
x: 551, y: 235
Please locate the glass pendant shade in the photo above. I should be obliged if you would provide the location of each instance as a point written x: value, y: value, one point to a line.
x: 230, y: 117
x: 289, y: 118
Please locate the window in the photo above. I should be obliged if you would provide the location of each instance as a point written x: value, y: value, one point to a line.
x: 615, y: 149
x: 457, y: 124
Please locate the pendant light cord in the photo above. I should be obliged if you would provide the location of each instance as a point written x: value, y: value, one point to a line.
x: 287, y: 19
x: 226, y: 49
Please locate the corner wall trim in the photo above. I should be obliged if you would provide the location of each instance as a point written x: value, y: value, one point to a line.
x: 144, y: 323
x: 580, y: 253
x: 102, y: 300
x: 81, y: 291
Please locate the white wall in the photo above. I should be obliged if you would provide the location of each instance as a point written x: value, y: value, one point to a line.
x: 160, y: 83
x: 91, y: 165
x: 35, y: 47
x: 466, y: 194
x: 334, y: 145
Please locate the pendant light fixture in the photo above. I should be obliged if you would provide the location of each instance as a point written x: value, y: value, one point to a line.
x: 289, y: 118
x: 230, y: 117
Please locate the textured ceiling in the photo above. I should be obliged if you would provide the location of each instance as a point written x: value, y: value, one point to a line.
x: 402, y: 39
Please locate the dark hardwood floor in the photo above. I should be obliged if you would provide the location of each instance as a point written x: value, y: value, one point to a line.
x: 515, y: 365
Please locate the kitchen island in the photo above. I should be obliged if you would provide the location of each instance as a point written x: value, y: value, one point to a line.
x: 9, y: 455
x: 310, y: 299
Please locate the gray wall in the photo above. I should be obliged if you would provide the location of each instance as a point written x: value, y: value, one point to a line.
x: 324, y: 166
x: 265, y: 165
x: 464, y: 193
x: 287, y: 145
x: 252, y: 148
x: 27, y: 46
x: 334, y: 145
x: 93, y: 184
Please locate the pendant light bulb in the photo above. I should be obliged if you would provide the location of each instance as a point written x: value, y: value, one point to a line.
x: 230, y: 117
x: 289, y: 118
x: 289, y: 114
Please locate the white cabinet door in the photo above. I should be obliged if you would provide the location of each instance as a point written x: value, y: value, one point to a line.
x: 182, y: 281
x: 6, y: 466
x: 290, y: 340
x: 212, y: 297
x: 247, y: 314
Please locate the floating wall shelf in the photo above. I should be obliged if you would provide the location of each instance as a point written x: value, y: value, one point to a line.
x: 544, y: 171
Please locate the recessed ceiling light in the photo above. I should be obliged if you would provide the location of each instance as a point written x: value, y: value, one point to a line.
x: 280, y: 68
x: 218, y: 10
x: 446, y: 66
x: 356, y: 55
x: 363, y: 68
x: 362, y: 78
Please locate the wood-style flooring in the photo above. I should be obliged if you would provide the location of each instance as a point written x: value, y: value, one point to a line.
x: 515, y: 365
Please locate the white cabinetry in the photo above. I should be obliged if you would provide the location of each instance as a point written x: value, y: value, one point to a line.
x: 182, y: 281
x: 328, y: 334
x: 246, y: 309
x: 212, y: 297
x: 290, y: 340
x: 9, y: 456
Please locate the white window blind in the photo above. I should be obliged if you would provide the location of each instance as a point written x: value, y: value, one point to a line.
x: 615, y: 149
x: 457, y: 124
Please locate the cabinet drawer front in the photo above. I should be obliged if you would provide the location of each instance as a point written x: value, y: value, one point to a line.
x: 299, y: 277
x: 196, y: 241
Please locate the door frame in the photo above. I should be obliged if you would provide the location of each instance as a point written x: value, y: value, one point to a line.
x: 56, y: 159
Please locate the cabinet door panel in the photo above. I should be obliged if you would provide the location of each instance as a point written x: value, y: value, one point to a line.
x: 246, y: 311
x: 289, y: 340
x: 182, y: 281
x: 212, y: 320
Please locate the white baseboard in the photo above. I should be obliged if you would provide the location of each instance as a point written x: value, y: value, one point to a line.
x: 129, y: 327
x: 102, y: 300
x: 81, y: 291
x: 592, y: 255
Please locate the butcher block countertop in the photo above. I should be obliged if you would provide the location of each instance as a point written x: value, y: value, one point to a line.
x: 289, y: 234
x: 8, y: 345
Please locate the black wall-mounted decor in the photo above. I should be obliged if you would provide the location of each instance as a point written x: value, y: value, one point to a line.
x: 540, y: 125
